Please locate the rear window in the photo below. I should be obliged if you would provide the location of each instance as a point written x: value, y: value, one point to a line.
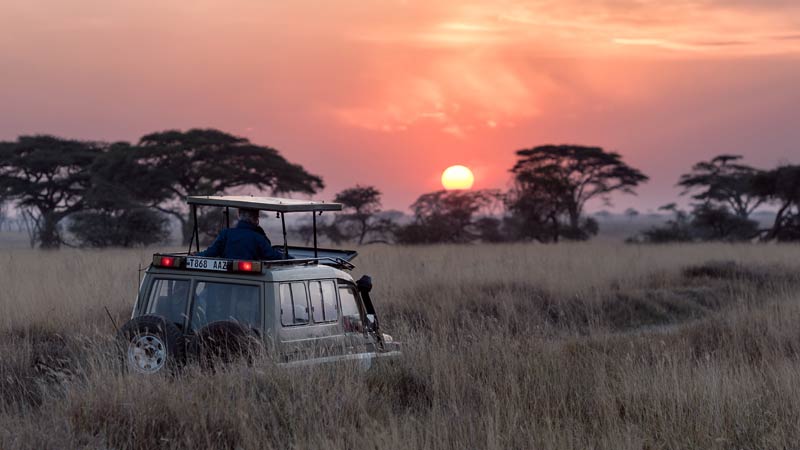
x: 168, y: 299
x: 294, y: 304
x: 226, y: 301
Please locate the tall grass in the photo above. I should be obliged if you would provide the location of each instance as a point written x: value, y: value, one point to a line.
x: 505, y: 346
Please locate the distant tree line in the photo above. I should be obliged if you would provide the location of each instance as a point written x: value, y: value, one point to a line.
x: 725, y: 194
x: 551, y: 186
x: 124, y: 194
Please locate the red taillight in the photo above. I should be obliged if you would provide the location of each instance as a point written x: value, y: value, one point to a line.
x: 247, y: 266
x: 167, y: 261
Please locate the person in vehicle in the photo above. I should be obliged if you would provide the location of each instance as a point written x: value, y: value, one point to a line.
x: 246, y: 240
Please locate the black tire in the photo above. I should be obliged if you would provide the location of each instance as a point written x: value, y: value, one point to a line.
x: 224, y: 342
x: 151, y: 344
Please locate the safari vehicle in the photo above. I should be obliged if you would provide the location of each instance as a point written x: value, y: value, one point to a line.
x: 301, y: 311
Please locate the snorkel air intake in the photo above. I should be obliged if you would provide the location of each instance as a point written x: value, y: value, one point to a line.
x: 364, y: 285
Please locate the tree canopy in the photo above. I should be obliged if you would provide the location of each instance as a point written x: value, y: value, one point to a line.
x: 209, y: 162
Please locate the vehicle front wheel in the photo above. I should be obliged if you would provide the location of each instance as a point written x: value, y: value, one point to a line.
x: 150, y: 344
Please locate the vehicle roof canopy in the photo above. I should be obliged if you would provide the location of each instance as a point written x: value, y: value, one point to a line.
x: 283, y: 205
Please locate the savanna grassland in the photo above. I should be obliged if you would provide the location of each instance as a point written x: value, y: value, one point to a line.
x: 505, y: 346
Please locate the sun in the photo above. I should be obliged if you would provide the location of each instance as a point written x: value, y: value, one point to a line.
x: 457, y: 178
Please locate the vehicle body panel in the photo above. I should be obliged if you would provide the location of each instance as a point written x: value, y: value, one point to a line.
x: 315, y: 342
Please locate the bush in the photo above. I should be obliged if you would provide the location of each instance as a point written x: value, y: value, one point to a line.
x: 127, y: 228
x: 717, y: 223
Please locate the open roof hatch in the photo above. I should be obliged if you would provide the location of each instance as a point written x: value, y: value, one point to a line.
x: 279, y: 205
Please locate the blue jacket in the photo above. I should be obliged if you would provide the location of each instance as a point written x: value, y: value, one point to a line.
x: 245, y: 241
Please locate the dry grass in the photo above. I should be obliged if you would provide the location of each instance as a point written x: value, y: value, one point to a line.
x: 517, y: 346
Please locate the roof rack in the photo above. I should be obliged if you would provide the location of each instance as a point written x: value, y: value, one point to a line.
x: 325, y: 260
x: 282, y: 205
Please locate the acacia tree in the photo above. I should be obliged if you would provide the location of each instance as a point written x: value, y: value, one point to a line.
x: 209, y: 162
x: 781, y: 185
x: 552, y: 182
x: 724, y: 180
x: 361, y: 204
x: 46, y: 176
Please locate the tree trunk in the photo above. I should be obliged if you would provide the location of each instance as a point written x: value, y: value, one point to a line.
x: 49, y: 237
x: 556, y: 228
x: 574, y: 217
x: 185, y: 222
x: 778, y: 223
x: 363, y: 234
x: 29, y: 223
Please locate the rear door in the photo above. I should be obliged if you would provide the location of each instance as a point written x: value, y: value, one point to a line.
x: 215, y: 300
x: 168, y: 297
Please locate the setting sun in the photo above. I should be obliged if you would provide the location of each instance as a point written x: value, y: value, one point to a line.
x: 457, y: 177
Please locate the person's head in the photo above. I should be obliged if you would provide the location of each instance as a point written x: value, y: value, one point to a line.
x: 249, y: 215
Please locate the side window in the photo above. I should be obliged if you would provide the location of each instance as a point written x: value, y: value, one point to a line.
x: 315, y: 295
x: 287, y: 310
x: 168, y: 298
x: 294, y: 304
x: 300, y: 301
x: 351, y: 315
x: 329, y: 303
x: 323, y: 301
x: 214, y: 302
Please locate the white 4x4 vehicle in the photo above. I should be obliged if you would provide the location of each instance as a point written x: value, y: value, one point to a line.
x: 304, y: 310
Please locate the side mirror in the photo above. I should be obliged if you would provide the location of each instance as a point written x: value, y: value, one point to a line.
x: 364, y: 284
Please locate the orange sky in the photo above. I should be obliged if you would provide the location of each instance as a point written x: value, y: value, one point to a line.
x: 392, y: 92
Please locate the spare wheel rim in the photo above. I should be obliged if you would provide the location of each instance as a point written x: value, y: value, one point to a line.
x: 147, y: 353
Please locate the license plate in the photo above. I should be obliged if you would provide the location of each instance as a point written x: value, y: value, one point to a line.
x: 207, y: 264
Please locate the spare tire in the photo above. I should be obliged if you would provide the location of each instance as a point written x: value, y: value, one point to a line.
x: 150, y: 344
x: 224, y: 342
